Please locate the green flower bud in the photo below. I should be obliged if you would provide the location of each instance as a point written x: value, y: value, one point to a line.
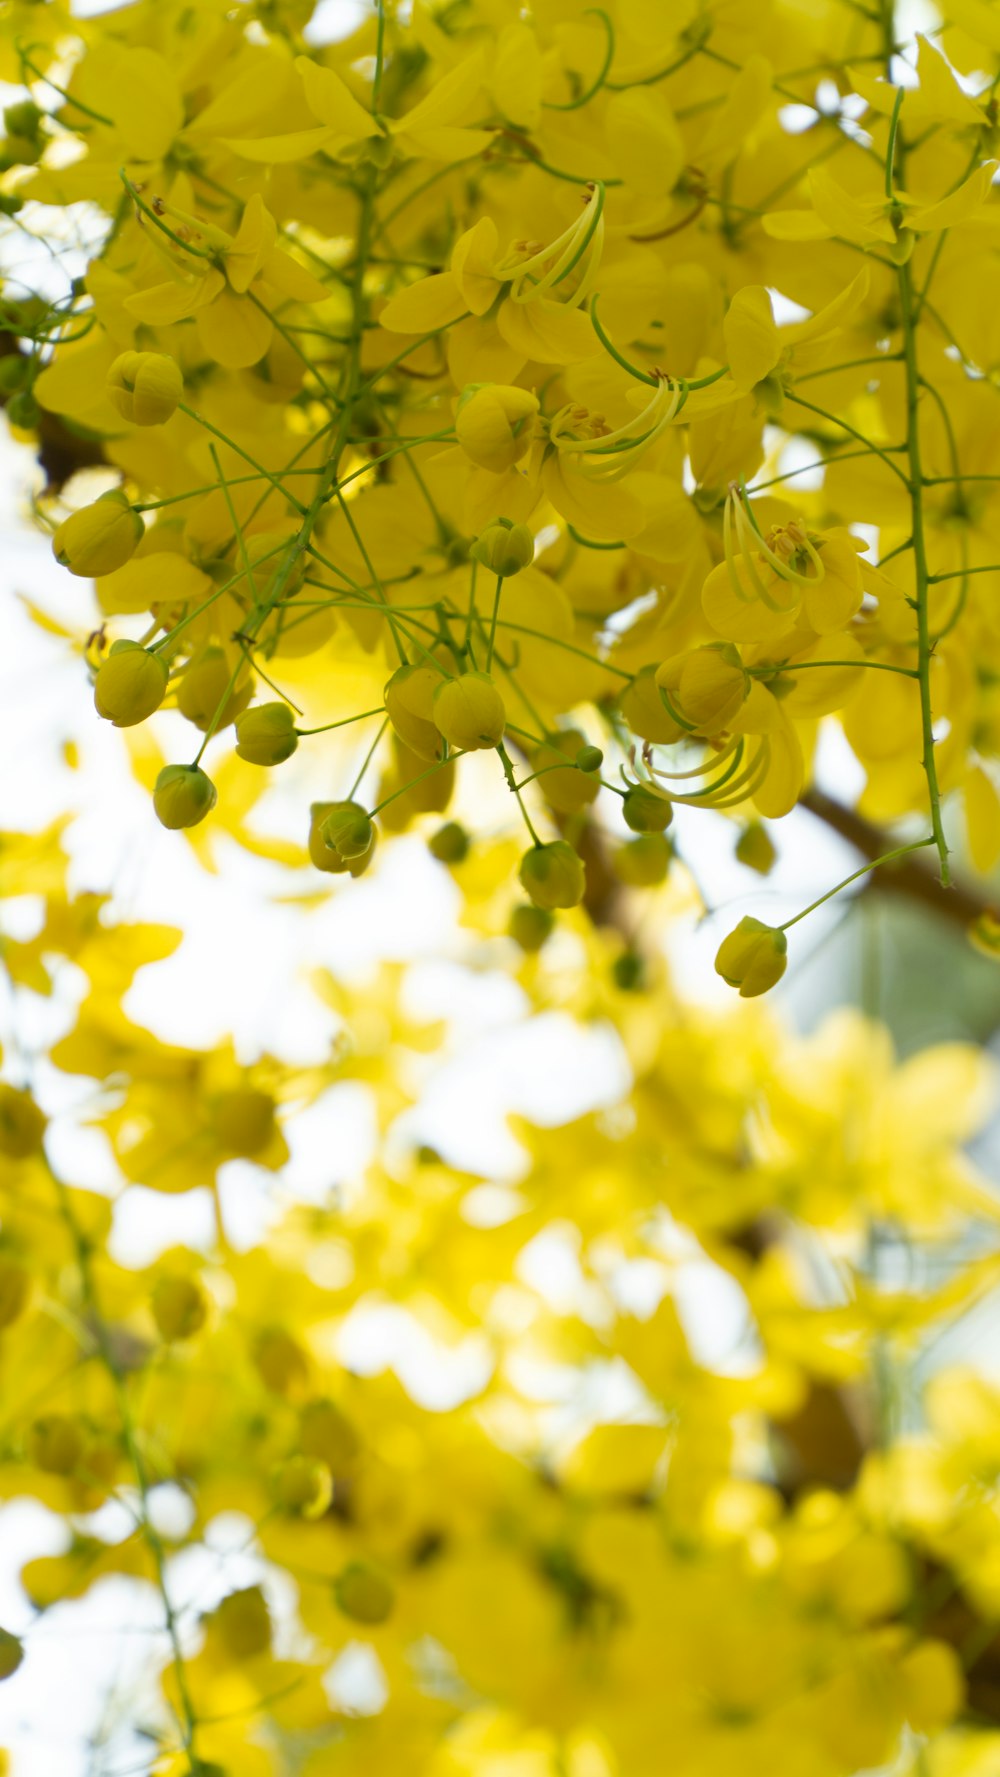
x: 413, y: 789
x: 11, y: 1654
x: 145, y: 387
x: 553, y: 875
x: 100, y: 537
x: 569, y: 790
x: 409, y: 700
x: 326, y: 1432
x: 645, y: 811
x: 179, y: 1307
x: 183, y: 796
x: 450, y: 844
x: 755, y: 849
x: 15, y: 1290
x: 589, y: 759
x: 55, y: 1444
x: 645, y: 711
x: 19, y: 151
x: 530, y: 927
x: 752, y: 958
x: 205, y: 687
x: 628, y: 972
x: 241, y: 1625
x: 504, y: 548
x: 349, y: 832
x: 15, y: 373
x: 130, y: 684
x: 304, y: 1486
x: 23, y: 118
x: 469, y: 712
x: 363, y: 1594
x: 325, y: 857
x: 643, y: 862
x: 22, y: 1124
x: 23, y: 410
x: 243, y: 1121
x: 265, y: 735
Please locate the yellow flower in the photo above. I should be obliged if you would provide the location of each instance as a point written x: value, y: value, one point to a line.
x: 753, y: 958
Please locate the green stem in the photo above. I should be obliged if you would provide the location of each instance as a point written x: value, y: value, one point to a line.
x: 920, y: 565
x: 887, y: 858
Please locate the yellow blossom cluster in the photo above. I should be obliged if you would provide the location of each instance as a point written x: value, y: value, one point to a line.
x: 448, y: 378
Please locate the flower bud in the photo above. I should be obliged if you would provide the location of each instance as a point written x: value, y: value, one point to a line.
x: 752, y: 958
x: 628, y: 972
x: 183, y: 796
x: 712, y: 688
x: 207, y: 687
x: 15, y: 1289
x: 283, y: 1365
x: 589, y: 759
x: 179, y: 1307
x: 304, y: 1486
x: 100, y: 537
x: 504, y: 548
x: 349, y: 832
x: 325, y: 1431
x: 11, y: 1654
x: 493, y: 424
x: 130, y: 684
x: 265, y: 735
x: 363, y: 1594
x: 530, y: 927
x: 553, y: 875
x: 55, y: 1444
x: 23, y: 118
x: 243, y: 1121
x: 450, y: 844
x: 22, y: 1124
x: 145, y: 387
x: 645, y: 711
x: 643, y: 862
x: 646, y: 812
x: 755, y: 849
x: 469, y: 712
x: 413, y: 789
x: 409, y: 700
x: 241, y: 1625
x: 569, y: 790
x: 325, y: 857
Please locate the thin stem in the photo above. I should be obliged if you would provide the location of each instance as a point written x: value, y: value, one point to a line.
x: 901, y: 851
x: 924, y: 646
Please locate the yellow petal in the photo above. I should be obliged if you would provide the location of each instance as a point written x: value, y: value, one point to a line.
x: 752, y: 344
x: 605, y: 511
x: 852, y: 218
x: 982, y: 816
x: 547, y: 332
x: 330, y: 100
x: 646, y: 146
x: 795, y: 225
x: 234, y: 331
x: 280, y: 150
x: 431, y: 303
x: 164, y: 304
x: 956, y: 208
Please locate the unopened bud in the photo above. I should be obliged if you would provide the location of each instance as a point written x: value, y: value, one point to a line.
x: 22, y: 1124
x: 409, y: 701
x: 265, y: 735
x: 568, y: 789
x: 183, y: 796
x: 100, y: 537
x: 553, y: 875
x: 504, y: 548
x: 646, y: 812
x: 752, y: 958
x: 643, y: 862
x: 349, y: 832
x: 493, y: 424
x: 530, y: 927
x: 469, y: 712
x: 326, y: 857
x: 208, y: 695
x: 11, y: 1654
x: 145, y: 387
x: 450, y: 844
x: 130, y: 684
x: 304, y: 1486
x: 755, y: 849
x: 179, y: 1307
x: 363, y: 1594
